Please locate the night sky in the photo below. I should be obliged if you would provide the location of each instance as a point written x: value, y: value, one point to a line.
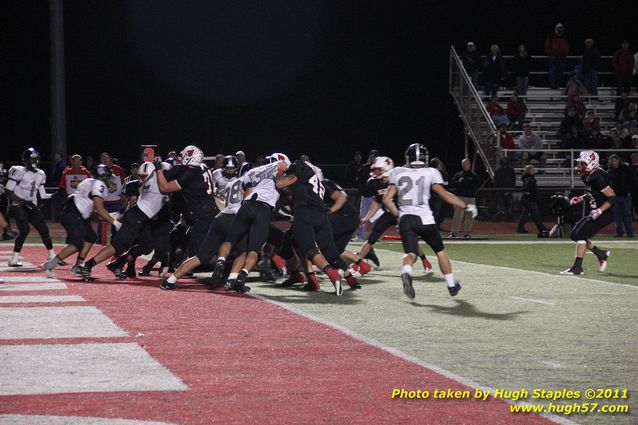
x: 316, y: 77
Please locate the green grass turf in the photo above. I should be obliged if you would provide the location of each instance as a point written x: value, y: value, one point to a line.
x: 548, y: 258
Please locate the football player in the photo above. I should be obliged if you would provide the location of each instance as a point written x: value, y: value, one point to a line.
x: 412, y: 184
x: 601, y: 199
x: 25, y: 183
x: 223, y: 175
x: 76, y: 217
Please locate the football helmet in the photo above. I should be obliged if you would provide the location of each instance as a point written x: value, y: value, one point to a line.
x: 229, y: 166
x: 103, y: 172
x: 416, y: 155
x: 381, y: 167
x: 587, y: 162
x: 145, y: 170
x: 191, y: 155
x: 244, y: 168
x: 277, y: 157
x: 31, y: 158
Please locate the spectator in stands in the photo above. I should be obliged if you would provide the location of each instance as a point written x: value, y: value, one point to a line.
x: 89, y: 164
x: 471, y: 60
x: 505, y: 139
x: 623, y: 132
x: 531, y: 146
x: 594, y: 140
x: 352, y: 170
x: 590, y: 122
x: 467, y: 183
x: 366, y: 191
x: 516, y: 111
x: 570, y: 120
x: 575, y: 86
x: 590, y: 62
x: 493, y: 71
x: 628, y: 116
x: 621, y: 103
x: 504, y: 183
x: 133, y: 173
x: 530, y: 203
x: 622, y: 181
x: 219, y: 161
x: 557, y: 48
x: 623, y: 62
x: 521, y: 66
x: 576, y: 103
x: 496, y: 111
x: 241, y: 158
x: 574, y: 139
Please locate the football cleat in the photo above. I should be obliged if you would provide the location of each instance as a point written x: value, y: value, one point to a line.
x: 602, y: 261
x: 115, y: 267
x: 241, y: 282
x: 15, y: 263
x: 364, y: 267
x: 145, y: 271
x: 230, y: 285
x: 49, y: 266
x: 85, y: 272
x: 265, y: 269
x: 294, y: 278
x: 354, y: 270
x: 352, y: 282
x: 313, y: 283
x: 335, y: 278
x: 372, y: 256
x: 130, y: 270
x: 572, y: 271
x: 62, y: 263
x: 454, y: 289
x: 218, y: 273
x: 167, y: 286
x: 408, y: 289
x: 75, y: 270
x: 427, y: 265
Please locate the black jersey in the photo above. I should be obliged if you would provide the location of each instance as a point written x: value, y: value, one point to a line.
x: 307, y: 190
x: 594, y: 184
x: 332, y: 187
x: 379, y: 187
x: 132, y: 188
x: 197, y: 188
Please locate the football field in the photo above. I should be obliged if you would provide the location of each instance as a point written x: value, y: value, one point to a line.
x: 126, y: 350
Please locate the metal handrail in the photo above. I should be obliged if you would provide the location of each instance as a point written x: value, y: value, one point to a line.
x: 456, y: 65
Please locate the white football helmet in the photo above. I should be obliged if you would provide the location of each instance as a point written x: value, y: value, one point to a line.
x: 587, y: 162
x: 145, y: 170
x: 381, y: 167
x: 277, y: 157
x: 191, y: 155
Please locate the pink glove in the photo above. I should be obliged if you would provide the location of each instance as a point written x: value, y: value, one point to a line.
x: 576, y: 200
x: 594, y: 214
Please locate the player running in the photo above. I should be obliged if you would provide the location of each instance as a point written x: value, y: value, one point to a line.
x: 412, y: 184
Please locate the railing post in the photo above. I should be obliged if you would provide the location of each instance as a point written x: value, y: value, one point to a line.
x: 571, y: 169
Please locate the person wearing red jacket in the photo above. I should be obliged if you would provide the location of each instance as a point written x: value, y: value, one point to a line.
x: 557, y: 48
x: 516, y: 110
x: 623, y: 62
x: 73, y: 175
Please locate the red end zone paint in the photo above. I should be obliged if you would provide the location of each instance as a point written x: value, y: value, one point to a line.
x: 249, y: 361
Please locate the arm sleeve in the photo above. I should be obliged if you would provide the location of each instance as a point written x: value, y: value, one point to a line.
x: 43, y: 192
x: 437, y: 178
x: 15, y: 175
x: 392, y: 178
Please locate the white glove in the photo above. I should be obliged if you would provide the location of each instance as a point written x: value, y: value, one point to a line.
x: 472, y: 208
x: 117, y: 224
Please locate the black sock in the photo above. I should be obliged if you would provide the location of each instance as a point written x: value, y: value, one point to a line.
x: 422, y: 257
x: 599, y: 252
x: 90, y: 264
x: 578, y: 263
x: 79, y: 260
x: 326, y: 268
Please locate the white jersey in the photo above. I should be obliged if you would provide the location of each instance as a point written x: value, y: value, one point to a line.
x: 413, y: 190
x: 262, y: 180
x: 220, y: 181
x: 151, y: 200
x: 84, y: 193
x: 25, y: 183
x: 233, y: 194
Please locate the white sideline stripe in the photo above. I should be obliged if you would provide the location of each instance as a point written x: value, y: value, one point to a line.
x: 552, y: 364
x: 33, y: 286
x: 26, y: 268
x: 533, y: 300
x: 28, y: 279
x: 80, y: 368
x: 56, y: 322
x: 40, y: 298
x: 70, y: 420
x: 377, y: 344
x: 510, y: 242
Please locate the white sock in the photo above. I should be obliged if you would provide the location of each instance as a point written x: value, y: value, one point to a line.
x: 222, y: 259
x: 407, y: 268
x: 233, y: 276
x: 171, y: 279
x: 449, y: 278
x: 245, y: 271
x: 51, y: 253
x: 15, y: 256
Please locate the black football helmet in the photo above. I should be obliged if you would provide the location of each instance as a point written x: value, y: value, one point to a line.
x: 416, y: 155
x: 229, y: 166
x: 103, y: 172
x: 244, y: 168
x: 31, y: 158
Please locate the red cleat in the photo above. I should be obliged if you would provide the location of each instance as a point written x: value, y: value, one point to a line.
x: 352, y: 282
x: 313, y: 283
x: 364, y: 267
x: 427, y: 265
x: 335, y: 278
x: 279, y: 262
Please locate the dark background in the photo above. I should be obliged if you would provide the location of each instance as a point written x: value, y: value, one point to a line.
x: 317, y: 77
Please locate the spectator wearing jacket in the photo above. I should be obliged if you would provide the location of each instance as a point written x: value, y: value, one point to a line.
x: 516, y: 110
x: 590, y: 62
x: 467, y: 183
x: 504, y: 182
x: 531, y: 145
x: 622, y: 181
x: 493, y: 71
x: 521, y: 66
x: 557, y: 48
x: 530, y: 202
x: 471, y: 60
x: 496, y: 111
x: 623, y: 62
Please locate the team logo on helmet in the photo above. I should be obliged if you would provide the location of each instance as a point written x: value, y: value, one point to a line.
x: 191, y: 155
x: 381, y: 167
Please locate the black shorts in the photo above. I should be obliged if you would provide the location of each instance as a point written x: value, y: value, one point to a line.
x: 201, y: 242
x: 78, y: 229
x: 381, y: 225
x: 411, y: 228
x: 586, y: 228
x: 133, y: 222
x: 343, y: 226
x: 312, y: 230
x: 253, y: 222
